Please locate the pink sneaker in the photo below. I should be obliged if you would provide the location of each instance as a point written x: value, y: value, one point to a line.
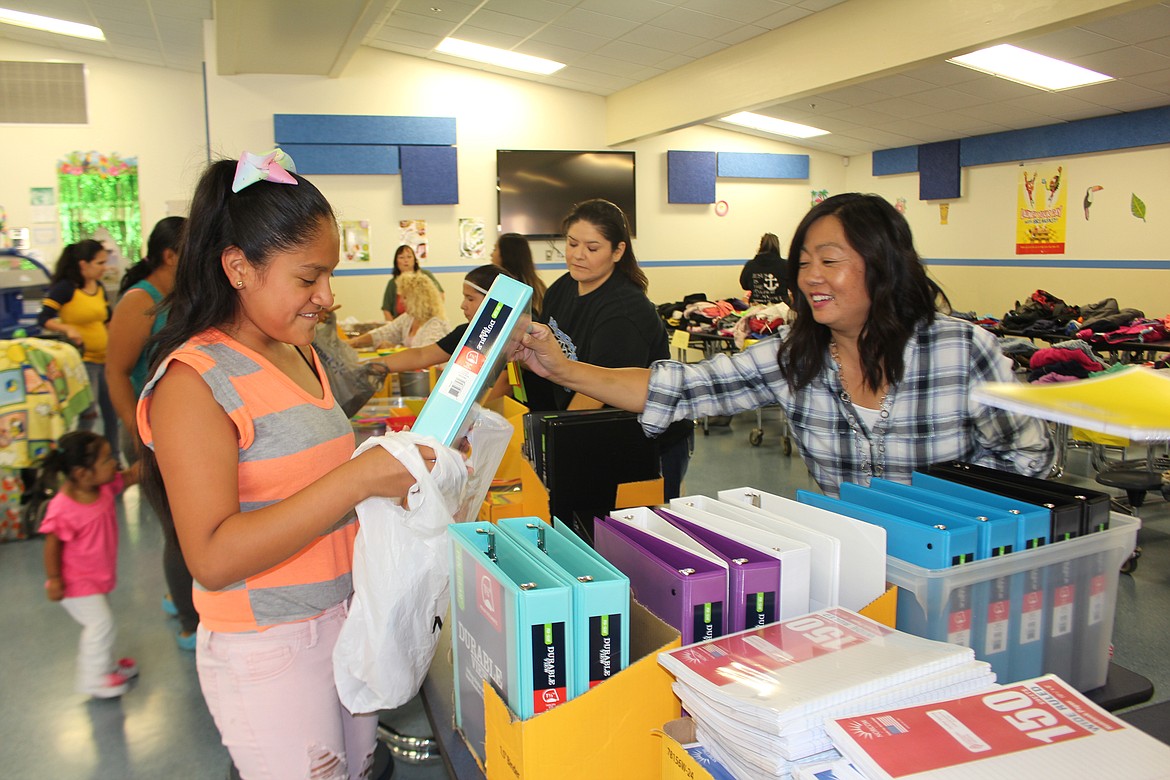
x: 127, y: 667
x: 113, y: 686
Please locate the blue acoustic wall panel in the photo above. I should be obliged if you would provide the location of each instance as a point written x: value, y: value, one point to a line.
x: 904, y: 159
x: 430, y: 175
x: 1084, y: 136
x: 757, y: 165
x: 343, y: 158
x: 352, y: 129
x: 690, y: 177
x: 939, y: 174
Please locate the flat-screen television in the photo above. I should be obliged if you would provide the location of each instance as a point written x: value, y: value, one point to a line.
x: 538, y: 187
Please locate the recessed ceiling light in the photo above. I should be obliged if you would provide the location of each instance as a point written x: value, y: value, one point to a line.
x: 1029, y: 68
x: 772, y: 125
x: 501, y: 57
x: 49, y: 24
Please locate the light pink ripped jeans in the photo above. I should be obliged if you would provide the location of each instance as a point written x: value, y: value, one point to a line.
x: 275, y: 703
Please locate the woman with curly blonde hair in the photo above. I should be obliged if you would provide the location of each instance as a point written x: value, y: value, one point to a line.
x: 422, y: 324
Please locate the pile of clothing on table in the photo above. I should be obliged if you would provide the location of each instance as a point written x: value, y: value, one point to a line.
x: 729, y: 317
x: 1103, y: 322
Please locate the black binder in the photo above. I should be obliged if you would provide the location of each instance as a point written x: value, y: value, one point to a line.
x: 1095, y: 503
x: 584, y: 456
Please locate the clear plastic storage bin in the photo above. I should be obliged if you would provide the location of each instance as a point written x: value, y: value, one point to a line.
x: 1046, y: 610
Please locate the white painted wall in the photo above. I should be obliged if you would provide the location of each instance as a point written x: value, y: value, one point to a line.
x: 981, y: 226
x: 157, y: 115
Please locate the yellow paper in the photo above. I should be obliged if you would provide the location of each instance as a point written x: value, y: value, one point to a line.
x: 1134, y: 403
x: 680, y: 339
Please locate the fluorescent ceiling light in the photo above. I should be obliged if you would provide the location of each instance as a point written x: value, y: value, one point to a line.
x: 1029, y: 68
x: 501, y: 57
x: 49, y: 24
x: 771, y: 125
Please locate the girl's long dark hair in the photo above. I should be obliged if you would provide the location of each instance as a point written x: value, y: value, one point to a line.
x: 611, y: 222
x: 166, y: 235
x: 69, y: 263
x: 261, y: 219
x: 901, y: 296
x: 516, y: 259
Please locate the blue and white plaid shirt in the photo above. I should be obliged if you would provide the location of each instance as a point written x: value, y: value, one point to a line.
x: 931, y: 415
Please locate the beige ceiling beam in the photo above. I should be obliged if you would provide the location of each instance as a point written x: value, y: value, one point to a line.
x: 843, y: 45
x: 299, y: 38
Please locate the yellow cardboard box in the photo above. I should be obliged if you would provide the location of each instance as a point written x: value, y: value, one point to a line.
x: 605, y: 732
x: 677, y: 763
x: 513, y: 412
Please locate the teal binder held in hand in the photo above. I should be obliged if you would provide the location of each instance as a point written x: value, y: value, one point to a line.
x: 476, y: 363
x: 600, y: 594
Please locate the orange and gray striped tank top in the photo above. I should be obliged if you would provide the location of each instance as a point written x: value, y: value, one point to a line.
x: 287, y: 439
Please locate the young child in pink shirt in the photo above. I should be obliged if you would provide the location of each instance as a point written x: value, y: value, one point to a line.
x: 81, y: 553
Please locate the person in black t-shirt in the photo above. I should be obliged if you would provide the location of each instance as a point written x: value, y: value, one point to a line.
x: 766, y: 274
x: 600, y: 314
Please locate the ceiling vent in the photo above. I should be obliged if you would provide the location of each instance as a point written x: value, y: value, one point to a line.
x: 42, y: 93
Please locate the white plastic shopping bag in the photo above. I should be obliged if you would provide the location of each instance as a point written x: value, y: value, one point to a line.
x: 400, y: 580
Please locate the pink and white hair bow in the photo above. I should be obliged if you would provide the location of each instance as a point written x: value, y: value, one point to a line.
x: 274, y: 166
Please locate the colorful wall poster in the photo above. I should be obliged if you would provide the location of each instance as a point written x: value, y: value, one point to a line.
x: 1041, y: 210
x: 413, y: 233
x: 472, y: 238
x: 355, y: 241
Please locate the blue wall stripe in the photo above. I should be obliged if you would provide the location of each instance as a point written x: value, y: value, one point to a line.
x: 760, y: 165
x: 430, y: 175
x: 1028, y: 262
x: 690, y: 177
x: 355, y: 129
x: 904, y: 159
x: 1084, y: 136
x: 1108, y: 265
x: 343, y: 158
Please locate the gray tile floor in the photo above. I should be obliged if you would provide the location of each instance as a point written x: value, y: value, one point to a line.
x: 161, y: 728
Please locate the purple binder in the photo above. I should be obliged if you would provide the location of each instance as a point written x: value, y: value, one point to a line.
x: 684, y: 590
x: 753, y: 577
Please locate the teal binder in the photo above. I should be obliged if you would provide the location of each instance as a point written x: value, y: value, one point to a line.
x: 477, y: 361
x: 601, y: 599
x: 512, y: 627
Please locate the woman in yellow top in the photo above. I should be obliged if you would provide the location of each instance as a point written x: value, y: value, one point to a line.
x: 75, y: 305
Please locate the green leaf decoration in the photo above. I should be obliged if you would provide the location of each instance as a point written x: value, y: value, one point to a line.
x: 1137, y: 207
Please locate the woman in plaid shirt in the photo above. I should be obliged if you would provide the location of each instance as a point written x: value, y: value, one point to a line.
x: 874, y: 380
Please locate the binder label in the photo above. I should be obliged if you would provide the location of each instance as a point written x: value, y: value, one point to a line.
x: 1096, y: 600
x: 460, y: 376
x: 605, y: 633
x: 708, y: 621
x: 1032, y: 614
x: 760, y: 609
x: 959, y: 617
x: 1063, y: 599
x: 549, y: 674
x: 998, y: 614
x: 488, y: 597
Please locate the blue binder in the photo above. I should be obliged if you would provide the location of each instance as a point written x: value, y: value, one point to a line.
x: 996, y: 534
x: 601, y: 599
x: 931, y: 544
x: 1026, y: 591
x: 511, y: 627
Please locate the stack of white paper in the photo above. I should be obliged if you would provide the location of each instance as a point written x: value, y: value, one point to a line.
x: 760, y: 698
x: 1033, y: 728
